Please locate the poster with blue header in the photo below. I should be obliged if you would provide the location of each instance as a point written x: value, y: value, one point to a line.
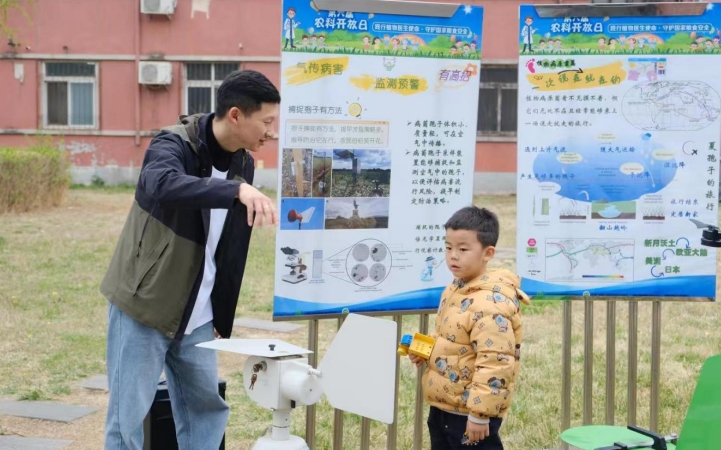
x: 618, y: 151
x: 377, y: 138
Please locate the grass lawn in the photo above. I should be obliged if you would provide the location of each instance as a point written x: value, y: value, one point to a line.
x: 53, y: 325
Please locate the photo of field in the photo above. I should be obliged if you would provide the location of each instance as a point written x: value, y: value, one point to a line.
x: 361, y: 173
x: 355, y: 213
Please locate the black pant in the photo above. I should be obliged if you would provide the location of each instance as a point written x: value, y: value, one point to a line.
x: 447, y: 432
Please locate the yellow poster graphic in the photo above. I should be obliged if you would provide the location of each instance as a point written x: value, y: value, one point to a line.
x: 602, y: 76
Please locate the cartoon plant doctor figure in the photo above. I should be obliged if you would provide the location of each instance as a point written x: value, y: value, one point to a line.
x: 289, y: 27
x: 527, y: 34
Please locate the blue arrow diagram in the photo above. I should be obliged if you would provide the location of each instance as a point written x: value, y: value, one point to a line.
x: 654, y: 275
x: 688, y: 244
x: 668, y: 250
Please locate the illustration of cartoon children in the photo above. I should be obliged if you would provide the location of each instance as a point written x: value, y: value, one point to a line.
x: 376, y: 43
x: 474, y: 46
x: 366, y: 42
x: 404, y: 44
x: 321, y: 41
x: 386, y: 40
x: 466, y: 50
x: 313, y: 41
x: 527, y: 34
x: 716, y: 41
x: 289, y: 27
x: 709, y: 46
x: 602, y: 44
x: 542, y: 45
x: 305, y: 40
x: 631, y: 43
x: 557, y: 47
x: 414, y: 44
x: 395, y: 43
x: 641, y: 43
x: 612, y: 44
x: 694, y: 46
x: 453, y: 50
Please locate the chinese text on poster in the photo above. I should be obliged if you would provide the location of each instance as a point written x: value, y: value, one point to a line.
x: 618, y: 147
x: 376, y: 151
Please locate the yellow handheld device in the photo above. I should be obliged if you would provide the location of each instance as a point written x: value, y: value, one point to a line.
x: 418, y: 344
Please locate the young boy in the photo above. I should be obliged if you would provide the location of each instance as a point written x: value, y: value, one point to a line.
x: 471, y: 373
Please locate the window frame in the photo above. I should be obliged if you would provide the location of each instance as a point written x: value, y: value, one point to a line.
x: 95, y: 80
x: 498, y: 135
x: 212, y: 83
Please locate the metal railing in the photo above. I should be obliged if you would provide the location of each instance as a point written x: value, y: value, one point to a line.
x: 566, y: 383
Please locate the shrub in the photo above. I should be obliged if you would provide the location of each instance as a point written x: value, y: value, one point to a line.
x: 32, y: 178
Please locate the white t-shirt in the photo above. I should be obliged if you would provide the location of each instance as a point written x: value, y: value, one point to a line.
x: 203, y: 310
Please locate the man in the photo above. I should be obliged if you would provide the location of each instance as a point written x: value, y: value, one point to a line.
x: 175, y: 276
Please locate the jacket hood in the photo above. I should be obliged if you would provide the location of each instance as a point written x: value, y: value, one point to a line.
x: 190, y: 128
x: 495, y: 280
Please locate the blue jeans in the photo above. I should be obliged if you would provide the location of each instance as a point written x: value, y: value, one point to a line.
x: 136, y: 356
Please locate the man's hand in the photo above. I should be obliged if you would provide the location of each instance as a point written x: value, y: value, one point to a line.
x: 259, y: 204
x: 476, y: 432
x: 415, y: 359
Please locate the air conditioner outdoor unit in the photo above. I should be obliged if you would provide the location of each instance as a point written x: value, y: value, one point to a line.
x: 155, y: 72
x: 158, y: 6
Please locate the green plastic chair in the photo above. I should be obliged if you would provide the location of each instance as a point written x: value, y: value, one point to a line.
x: 701, y: 429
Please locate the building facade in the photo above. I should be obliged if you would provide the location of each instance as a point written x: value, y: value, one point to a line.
x: 104, y: 75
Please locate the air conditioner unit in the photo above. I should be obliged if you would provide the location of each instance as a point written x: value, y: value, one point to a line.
x: 155, y: 72
x: 158, y: 6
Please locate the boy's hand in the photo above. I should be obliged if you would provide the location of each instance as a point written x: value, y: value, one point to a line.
x: 476, y: 432
x: 416, y: 360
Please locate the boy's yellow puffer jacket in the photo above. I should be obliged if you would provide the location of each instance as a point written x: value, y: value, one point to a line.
x: 475, y: 361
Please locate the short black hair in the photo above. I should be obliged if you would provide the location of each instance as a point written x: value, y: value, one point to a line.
x: 246, y: 90
x: 482, y: 221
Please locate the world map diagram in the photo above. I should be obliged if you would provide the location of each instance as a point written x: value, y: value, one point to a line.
x: 671, y: 106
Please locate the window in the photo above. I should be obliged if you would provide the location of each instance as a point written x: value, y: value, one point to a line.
x: 70, y: 95
x: 498, y: 101
x: 201, y: 85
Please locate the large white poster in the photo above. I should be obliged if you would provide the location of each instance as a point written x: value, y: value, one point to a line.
x: 618, y: 147
x: 377, y: 144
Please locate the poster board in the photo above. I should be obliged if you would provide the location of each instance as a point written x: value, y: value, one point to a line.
x: 618, y: 148
x: 377, y: 139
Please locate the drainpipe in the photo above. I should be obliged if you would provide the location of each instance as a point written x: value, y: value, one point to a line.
x: 137, y: 71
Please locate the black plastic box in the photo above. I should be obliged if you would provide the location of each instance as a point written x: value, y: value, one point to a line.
x: 159, y: 427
